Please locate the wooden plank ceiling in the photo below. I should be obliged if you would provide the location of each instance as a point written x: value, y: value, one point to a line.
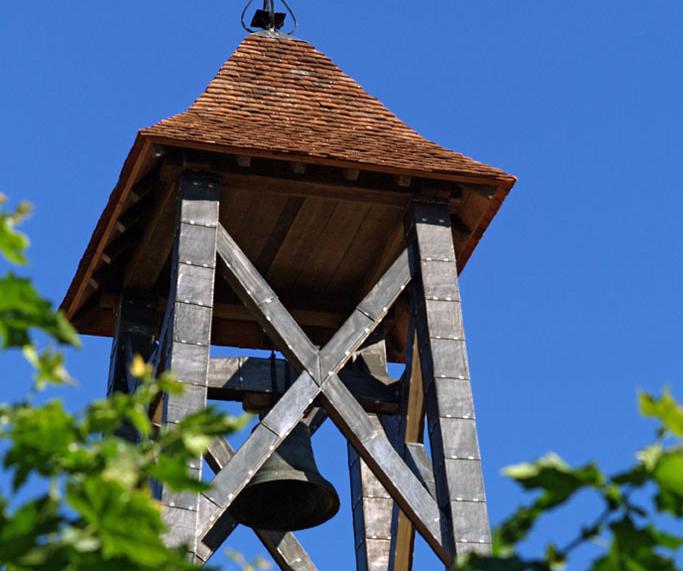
x: 321, y: 236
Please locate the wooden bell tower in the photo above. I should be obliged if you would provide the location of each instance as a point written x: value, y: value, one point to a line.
x: 289, y: 210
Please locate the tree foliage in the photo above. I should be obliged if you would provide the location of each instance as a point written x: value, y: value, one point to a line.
x: 80, y: 496
x: 634, y: 502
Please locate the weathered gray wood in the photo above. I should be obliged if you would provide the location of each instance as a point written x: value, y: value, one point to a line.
x: 411, y: 429
x: 232, y: 379
x: 315, y: 419
x: 418, y: 461
x: 284, y: 548
x: 287, y: 552
x: 366, y: 317
x: 372, y: 505
x: 443, y: 359
x: 189, y: 334
x: 257, y: 295
x: 289, y: 410
x: 260, y: 445
x: 374, y: 448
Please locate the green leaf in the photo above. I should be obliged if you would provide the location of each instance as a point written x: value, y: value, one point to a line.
x: 23, y: 530
x: 668, y: 474
x: 665, y: 409
x: 126, y: 522
x: 555, y: 478
x: 13, y: 243
x: 634, y: 549
x: 49, y: 366
x: 174, y: 473
x: 43, y: 440
x: 555, y: 558
x: 665, y: 540
x: 23, y: 309
x: 514, y: 563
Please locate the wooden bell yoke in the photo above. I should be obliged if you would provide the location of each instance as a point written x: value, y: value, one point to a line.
x: 338, y: 233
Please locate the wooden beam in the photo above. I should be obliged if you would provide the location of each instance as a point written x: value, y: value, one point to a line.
x: 222, y: 150
x: 411, y: 430
x: 238, y: 312
x: 136, y: 324
x: 243, y: 161
x: 118, y: 248
x: 259, y: 297
x: 446, y: 378
x: 305, y: 188
x: 233, y: 379
x: 283, y: 547
x: 372, y: 507
x: 305, y: 317
x: 187, y: 334
x: 372, y: 504
x: 374, y: 448
x: 290, y: 409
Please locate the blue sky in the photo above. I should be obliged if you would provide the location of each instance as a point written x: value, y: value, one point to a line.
x: 572, y: 300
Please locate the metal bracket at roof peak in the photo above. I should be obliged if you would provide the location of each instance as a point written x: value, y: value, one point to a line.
x: 268, y: 19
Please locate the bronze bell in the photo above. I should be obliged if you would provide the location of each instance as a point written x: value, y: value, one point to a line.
x: 288, y: 492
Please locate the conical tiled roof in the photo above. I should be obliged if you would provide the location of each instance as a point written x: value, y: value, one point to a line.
x: 280, y: 95
x: 279, y: 98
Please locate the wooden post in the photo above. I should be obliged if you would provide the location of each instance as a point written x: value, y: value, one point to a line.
x: 189, y: 317
x: 371, y: 503
x: 372, y: 508
x: 445, y: 372
x: 136, y: 321
x: 410, y: 432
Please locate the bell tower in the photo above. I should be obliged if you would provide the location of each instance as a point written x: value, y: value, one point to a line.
x: 288, y: 210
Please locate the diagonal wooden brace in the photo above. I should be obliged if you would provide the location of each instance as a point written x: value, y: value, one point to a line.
x: 373, y: 446
x: 284, y: 548
x: 282, y: 418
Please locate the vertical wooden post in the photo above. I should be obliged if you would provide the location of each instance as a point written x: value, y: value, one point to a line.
x: 135, y: 330
x: 189, y: 334
x: 410, y: 431
x: 136, y: 321
x: 372, y: 505
x: 372, y: 509
x: 446, y: 378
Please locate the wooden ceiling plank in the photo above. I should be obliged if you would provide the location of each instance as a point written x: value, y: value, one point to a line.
x: 258, y: 224
x: 155, y: 246
x: 328, y: 252
x: 306, y: 229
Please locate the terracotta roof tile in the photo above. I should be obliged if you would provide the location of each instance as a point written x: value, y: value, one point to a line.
x: 280, y: 95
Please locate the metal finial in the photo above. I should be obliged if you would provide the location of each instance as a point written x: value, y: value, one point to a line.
x: 268, y: 18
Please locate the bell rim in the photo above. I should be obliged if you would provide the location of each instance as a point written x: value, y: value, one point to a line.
x: 322, y: 486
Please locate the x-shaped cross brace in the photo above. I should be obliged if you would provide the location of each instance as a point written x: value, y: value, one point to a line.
x: 318, y: 379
